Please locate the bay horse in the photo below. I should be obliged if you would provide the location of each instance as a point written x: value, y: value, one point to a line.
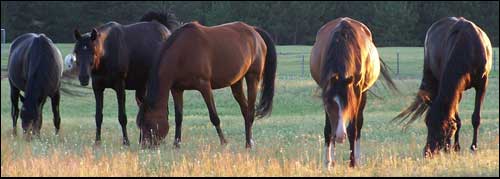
x: 345, y: 64
x: 119, y: 57
x: 203, y: 58
x: 35, y: 67
x: 457, y: 57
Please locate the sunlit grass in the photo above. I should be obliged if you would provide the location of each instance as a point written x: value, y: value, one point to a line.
x: 288, y: 143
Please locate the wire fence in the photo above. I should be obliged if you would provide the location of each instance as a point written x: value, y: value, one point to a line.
x: 404, y: 63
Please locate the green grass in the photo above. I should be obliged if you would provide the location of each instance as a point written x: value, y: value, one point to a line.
x: 288, y: 143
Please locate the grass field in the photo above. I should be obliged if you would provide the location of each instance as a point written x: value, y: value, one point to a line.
x: 288, y: 143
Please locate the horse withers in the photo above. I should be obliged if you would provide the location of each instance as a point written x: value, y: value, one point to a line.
x: 203, y: 58
x: 457, y: 57
x: 345, y: 64
x: 119, y: 57
x: 35, y: 68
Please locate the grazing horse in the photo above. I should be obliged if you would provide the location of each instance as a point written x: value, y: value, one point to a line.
x: 203, y: 58
x: 35, y: 67
x: 119, y: 57
x: 345, y: 64
x: 457, y: 57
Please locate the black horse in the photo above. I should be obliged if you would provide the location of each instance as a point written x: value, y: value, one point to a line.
x: 35, y: 67
x: 120, y: 57
x: 457, y: 57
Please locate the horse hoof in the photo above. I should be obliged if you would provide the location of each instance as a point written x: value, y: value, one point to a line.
x: 126, y: 143
x: 328, y: 165
x: 97, y: 143
x: 473, y: 148
x: 457, y: 148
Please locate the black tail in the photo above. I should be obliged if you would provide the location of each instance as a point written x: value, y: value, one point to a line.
x: 168, y: 19
x: 266, y: 101
x: 384, y: 69
x: 419, y: 106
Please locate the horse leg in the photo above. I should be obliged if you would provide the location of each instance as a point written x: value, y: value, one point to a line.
x: 139, y: 99
x: 98, y: 94
x: 122, y: 116
x: 354, y: 133
x: 55, y: 110
x: 252, y: 88
x: 476, y: 115
x: 456, y: 147
x: 178, y: 104
x: 14, y: 98
x: 37, y: 126
x: 206, y: 91
x: 239, y: 95
x: 329, y: 144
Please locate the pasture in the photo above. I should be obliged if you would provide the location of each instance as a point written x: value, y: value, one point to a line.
x: 288, y: 143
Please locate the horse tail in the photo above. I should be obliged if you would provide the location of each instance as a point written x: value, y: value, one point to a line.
x: 266, y: 101
x: 385, y: 70
x: 419, y: 106
x: 168, y: 19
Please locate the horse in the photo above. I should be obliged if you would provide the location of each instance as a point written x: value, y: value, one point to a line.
x: 35, y: 67
x: 203, y: 58
x: 345, y: 64
x: 119, y: 57
x: 457, y: 57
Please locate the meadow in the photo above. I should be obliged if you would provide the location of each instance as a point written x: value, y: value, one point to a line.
x: 288, y: 143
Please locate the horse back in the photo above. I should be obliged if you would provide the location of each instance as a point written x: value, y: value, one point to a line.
x: 449, y: 37
x: 35, y: 55
x: 368, y: 53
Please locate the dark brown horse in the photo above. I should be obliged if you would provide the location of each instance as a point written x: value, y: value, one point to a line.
x: 119, y: 57
x: 203, y: 58
x: 345, y: 64
x: 35, y: 67
x: 457, y: 56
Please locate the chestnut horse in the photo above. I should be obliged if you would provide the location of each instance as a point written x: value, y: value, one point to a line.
x: 457, y: 57
x: 35, y: 67
x: 203, y: 58
x: 345, y: 64
x: 119, y: 57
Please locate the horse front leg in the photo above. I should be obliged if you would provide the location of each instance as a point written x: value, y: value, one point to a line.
x: 99, y: 95
x: 178, y: 105
x: 55, y: 99
x: 14, y: 98
x: 122, y: 116
x: 206, y: 91
x: 476, y: 115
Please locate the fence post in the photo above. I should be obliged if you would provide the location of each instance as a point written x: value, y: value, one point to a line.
x: 3, y: 36
x: 397, y: 63
x: 302, y: 65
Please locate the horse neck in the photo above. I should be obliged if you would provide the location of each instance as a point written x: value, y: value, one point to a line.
x: 450, y: 90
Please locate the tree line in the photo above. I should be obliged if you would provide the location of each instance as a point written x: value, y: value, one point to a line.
x: 392, y: 23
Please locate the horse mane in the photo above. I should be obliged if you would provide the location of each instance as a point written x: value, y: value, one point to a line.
x: 168, y: 19
x: 153, y: 83
x: 341, y: 57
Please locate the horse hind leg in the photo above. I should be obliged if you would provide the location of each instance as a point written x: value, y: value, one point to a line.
x: 14, y: 97
x: 206, y: 91
x: 239, y: 95
x: 476, y: 115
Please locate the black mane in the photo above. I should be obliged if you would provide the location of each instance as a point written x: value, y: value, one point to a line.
x: 168, y: 19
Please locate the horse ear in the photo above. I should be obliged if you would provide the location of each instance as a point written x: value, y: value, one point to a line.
x: 94, y: 34
x: 77, y: 34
